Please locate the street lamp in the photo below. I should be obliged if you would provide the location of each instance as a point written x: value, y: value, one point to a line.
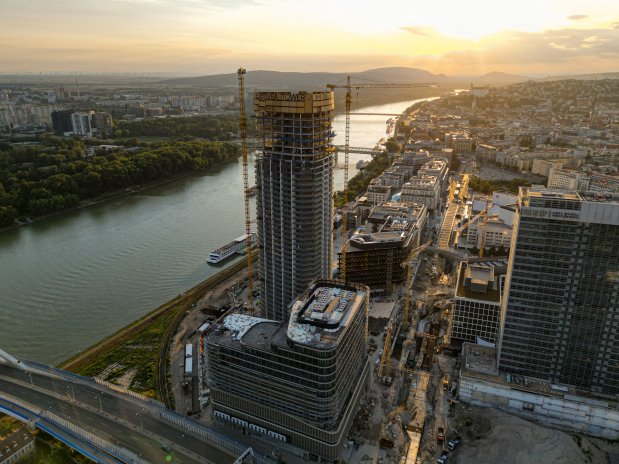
x: 100, y: 405
x: 139, y: 413
x: 72, y: 393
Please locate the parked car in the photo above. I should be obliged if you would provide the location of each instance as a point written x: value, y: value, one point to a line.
x: 440, y: 435
x: 454, y: 443
x: 442, y: 459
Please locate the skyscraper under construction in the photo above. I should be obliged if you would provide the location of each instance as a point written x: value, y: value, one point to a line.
x: 294, y: 174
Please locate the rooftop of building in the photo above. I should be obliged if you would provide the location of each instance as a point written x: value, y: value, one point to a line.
x: 480, y: 362
x: 479, y: 273
x: 421, y: 181
x: 434, y: 165
x: 377, y: 188
x: 318, y: 318
x: 15, y: 441
x: 543, y: 193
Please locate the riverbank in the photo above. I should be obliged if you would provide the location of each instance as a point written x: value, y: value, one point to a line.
x: 139, y: 351
x: 120, y: 193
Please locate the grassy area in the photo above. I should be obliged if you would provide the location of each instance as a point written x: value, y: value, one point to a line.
x: 137, y: 353
x: 8, y: 425
x: 49, y: 451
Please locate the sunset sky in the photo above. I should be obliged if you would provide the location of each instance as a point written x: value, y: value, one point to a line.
x: 534, y: 37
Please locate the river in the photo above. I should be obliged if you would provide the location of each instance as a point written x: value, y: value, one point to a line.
x: 71, y: 280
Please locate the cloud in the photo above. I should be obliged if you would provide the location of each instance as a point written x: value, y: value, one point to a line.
x: 419, y: 30
x: 615, y: 26
x: 577, y: 17
x: 575, y: 49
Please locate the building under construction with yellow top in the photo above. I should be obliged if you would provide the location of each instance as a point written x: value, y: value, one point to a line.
x: 294, y: 175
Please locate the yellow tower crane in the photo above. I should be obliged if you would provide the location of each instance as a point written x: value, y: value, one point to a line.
x: 409, y: 278
x: 248, y: 241
x: 349, y: 86
x: 385, y: 360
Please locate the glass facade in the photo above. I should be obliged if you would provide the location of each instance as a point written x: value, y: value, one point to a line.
x: 561, y: 317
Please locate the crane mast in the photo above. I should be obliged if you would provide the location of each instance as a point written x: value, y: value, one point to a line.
x: 248, y: 240
x: 349, y: 86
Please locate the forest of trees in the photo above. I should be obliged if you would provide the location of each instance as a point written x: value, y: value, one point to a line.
x: 488, y: 186
x: 59, y: 173
x: 206, y: 127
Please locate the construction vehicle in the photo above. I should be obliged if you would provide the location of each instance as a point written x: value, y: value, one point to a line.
x: 349, y: 86
x: 246, y: 190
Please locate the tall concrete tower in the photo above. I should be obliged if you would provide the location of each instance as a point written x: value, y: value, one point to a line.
x: 294, y: 174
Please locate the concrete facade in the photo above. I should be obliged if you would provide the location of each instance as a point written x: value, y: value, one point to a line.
x: 424, y: 190
x: 294, y: 173
x: 482, y: 385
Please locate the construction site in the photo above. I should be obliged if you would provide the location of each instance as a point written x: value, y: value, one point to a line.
x: 408, y: 410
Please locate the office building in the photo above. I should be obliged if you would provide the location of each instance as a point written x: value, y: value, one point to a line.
x: 81, y: 123
x: 298, y: 381
x: 294, y: 173
x: 102, y: 122
x: 61, y: 122
x: 560, y: 317
x: 374, y: 257
x: 477, y: 300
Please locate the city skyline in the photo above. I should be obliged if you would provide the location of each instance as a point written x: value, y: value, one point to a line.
x: 207, y: 37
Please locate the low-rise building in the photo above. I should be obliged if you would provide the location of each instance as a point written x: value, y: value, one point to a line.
x: 15, y: 446
x: 556, y: 405
x: 378, y: 193
x: 437, y: 168
x: 602, y: 183
x: 568, y: 180
x: 298, y: 381
x: 416, y: 159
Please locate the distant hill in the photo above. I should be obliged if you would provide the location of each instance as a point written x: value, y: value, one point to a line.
x: 497, y: 77
x: 596, y: 76
x: 317, y: 80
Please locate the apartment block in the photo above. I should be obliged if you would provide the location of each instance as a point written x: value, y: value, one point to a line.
x: 424, y: 190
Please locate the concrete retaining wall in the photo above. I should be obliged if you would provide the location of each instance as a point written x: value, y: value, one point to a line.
x: 571, y: 412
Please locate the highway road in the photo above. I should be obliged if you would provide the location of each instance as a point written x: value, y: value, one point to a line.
x: 120, y: 419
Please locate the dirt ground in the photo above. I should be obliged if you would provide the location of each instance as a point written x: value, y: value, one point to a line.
x: 497, y: 437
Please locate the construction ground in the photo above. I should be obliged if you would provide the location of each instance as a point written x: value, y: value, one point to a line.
x: 411, y: 410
